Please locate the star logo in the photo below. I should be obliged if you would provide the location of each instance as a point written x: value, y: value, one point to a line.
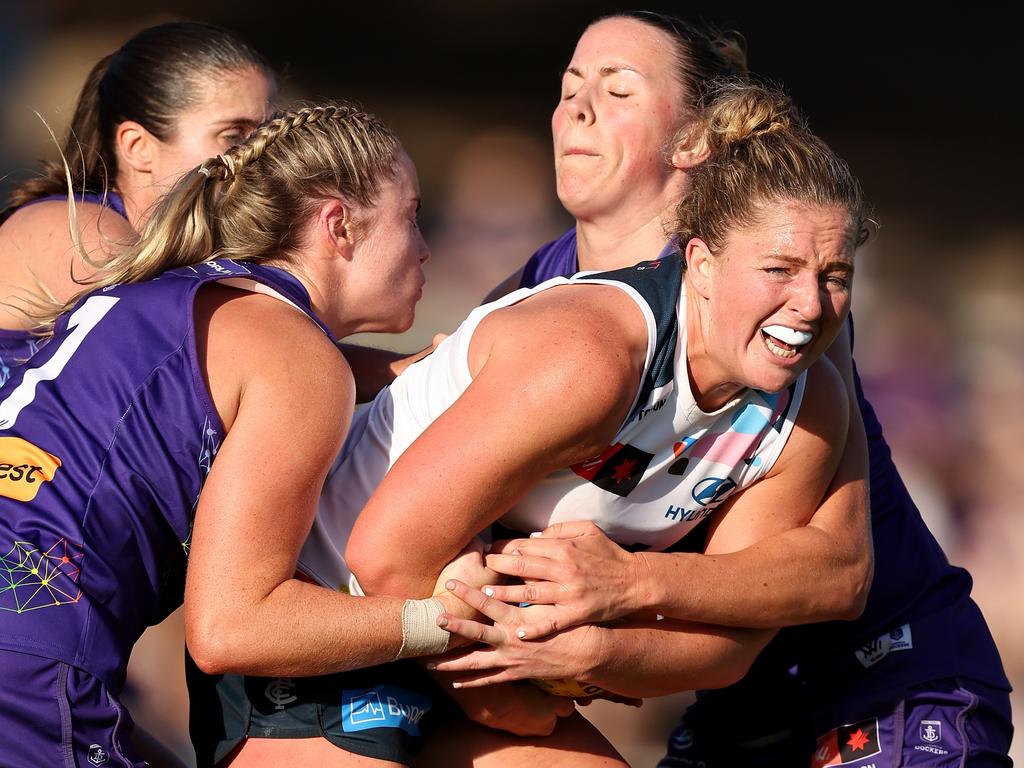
x: 858, y: 740
x: 623, y: 471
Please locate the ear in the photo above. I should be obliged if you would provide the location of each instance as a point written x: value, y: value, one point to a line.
x: 690, y: 150
x: 136, y: 147
x: 334, y: 221
x: 699, y: 266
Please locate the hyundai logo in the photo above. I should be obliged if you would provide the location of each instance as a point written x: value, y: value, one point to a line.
x: 712, y: 489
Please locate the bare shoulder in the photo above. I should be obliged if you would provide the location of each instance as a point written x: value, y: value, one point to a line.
x: 36, y: 246
x: 256, y: 346
x: 595, y: 336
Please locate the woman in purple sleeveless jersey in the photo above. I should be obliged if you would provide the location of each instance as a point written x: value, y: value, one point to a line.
x: 186, y: 411
x: 170, y: 97
x: 915, y: 678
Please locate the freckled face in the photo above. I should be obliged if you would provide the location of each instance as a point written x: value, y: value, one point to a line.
x: 620, y: 107
x: 779, y: 292
x: 230, y: 105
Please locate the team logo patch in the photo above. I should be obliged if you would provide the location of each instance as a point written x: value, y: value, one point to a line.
x: 847, y: 744
x: 98, y: 755
x: 931, y: 731
x: 383, y: 707
x: 24, y: 468
x: 281, y: 692
x: 617, y: 470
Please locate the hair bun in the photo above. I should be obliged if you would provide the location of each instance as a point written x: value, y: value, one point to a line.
x: 738, y: 112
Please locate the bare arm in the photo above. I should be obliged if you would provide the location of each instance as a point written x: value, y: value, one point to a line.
x: 814, y: 572
x: 525, y: 361
x: 637, y: 659
x: 259, y: 500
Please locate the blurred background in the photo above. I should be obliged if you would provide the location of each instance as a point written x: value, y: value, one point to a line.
x: 919, y: 105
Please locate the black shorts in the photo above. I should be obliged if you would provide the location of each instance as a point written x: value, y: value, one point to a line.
x: 383, y: 712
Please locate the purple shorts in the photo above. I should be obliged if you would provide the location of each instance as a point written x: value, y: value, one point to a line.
x: 56, y: 715
x: 937, y: 724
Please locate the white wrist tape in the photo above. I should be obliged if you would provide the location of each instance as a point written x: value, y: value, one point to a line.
x: 420, y: 634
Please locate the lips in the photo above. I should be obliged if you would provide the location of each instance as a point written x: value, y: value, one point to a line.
x: 783, y: 341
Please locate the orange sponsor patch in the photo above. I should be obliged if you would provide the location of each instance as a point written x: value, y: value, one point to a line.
x: 24, y: 468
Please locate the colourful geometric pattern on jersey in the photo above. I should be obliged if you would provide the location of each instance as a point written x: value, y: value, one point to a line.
x: 106, y: 438
x: 18, y: 347
x: 913, y: 580
x: 629, y: 489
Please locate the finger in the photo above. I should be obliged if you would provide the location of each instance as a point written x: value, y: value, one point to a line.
x: 535, y: 593
x: 472, y: 630
x: 486, y: 678
x: 524, y: 566
x: 493, y: 609
x: 479, y: 661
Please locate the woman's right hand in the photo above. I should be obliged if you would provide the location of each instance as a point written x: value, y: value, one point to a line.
x: 574, y: 570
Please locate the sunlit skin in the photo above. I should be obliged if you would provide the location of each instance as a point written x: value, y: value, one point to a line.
x: 793, y: 268
x: 391, y: 251
x: 620, y: 103
x: 229, y: 106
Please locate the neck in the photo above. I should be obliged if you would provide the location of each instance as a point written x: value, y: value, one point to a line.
x: 710, y: 385
x: 606, y: 245
x: 630, y: 233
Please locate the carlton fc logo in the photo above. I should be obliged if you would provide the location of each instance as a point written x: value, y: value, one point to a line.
x: 712, y: 489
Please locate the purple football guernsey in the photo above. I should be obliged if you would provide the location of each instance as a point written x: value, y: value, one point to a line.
x: 17, y: 347
x: 919, y: 624
x: 106, y: 438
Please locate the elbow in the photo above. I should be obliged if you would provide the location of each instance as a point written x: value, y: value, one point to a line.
x: 207, y: 648
x: 375, y: 575
x: 856, y: 585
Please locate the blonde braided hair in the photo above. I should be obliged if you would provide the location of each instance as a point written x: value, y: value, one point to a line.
x: 249, y: 202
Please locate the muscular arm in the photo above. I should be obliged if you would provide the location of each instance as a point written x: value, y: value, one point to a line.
x: 286, y: 400
x: 508, y: 429
x: 637, y: 659
x: 795, y: 574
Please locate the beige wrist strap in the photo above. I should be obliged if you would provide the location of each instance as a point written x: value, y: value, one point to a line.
x: 420, y: 634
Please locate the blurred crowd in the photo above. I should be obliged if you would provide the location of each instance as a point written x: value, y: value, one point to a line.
x: 939, y: 326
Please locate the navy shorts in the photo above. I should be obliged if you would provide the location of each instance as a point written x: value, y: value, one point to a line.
x: 54, y: 714
x: 384, y: 712
x: 941, y: 723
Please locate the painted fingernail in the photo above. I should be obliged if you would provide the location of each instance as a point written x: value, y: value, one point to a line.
x: 442, y: 621
x: 456, y: 685
x: 521, y: 634
x: 431, y: 665
x: 488, y: 591
x: 536, y: 534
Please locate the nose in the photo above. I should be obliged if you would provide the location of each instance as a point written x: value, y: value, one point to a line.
x: 580, y: 107
x: 807, y: 297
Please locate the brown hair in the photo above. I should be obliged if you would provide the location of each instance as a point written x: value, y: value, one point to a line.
x: 150, y: 79
x: 761, y: 151
x: 250, y: 202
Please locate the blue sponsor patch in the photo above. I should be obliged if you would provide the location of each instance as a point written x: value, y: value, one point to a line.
x: 384, y: 706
